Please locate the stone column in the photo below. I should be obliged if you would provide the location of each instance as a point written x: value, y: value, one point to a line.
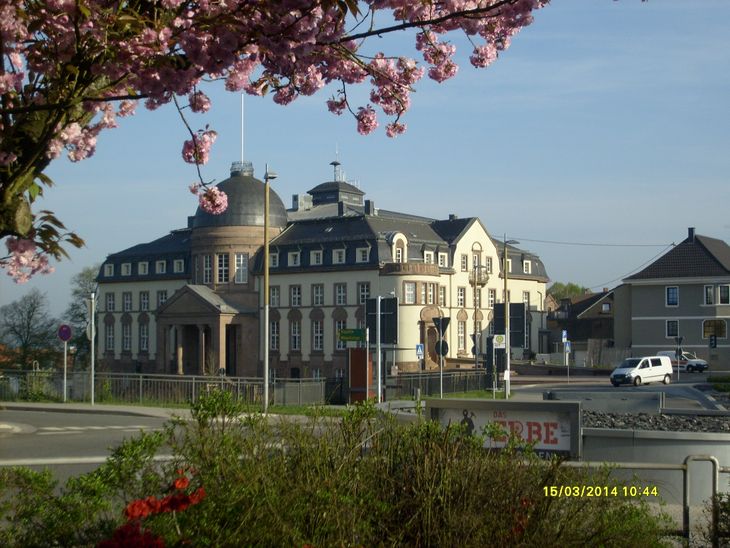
x: 179, y: 349
x: 201, y: 349
x: 219, y: 343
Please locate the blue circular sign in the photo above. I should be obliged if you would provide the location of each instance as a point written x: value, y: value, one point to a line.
x: 64, y: 333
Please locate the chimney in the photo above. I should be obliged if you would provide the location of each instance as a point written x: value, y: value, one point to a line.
x: 340, y: 209
x: 691, y: 234
x: 370, y: 208
x: 453, y: 216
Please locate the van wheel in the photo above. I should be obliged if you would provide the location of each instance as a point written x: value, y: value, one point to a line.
x: 637, y: 381
x: 690, y: 369
x: 667, y: 379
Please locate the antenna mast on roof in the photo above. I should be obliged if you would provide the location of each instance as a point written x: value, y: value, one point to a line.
x: 336, y: 164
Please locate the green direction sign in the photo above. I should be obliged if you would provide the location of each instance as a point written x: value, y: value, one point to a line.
x: 351, y: 335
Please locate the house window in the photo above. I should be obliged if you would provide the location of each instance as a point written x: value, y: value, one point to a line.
x: 295, y: 295
x: 108, y: 270
x: 709, y: 294
x: 526, y: 267
x: 144, y: 301
x: 207, y: 269
x: 672, y: 295
x: 409, y: 292
x: 526, y: 298
x: 478, y: 297
x: 431, y: 293
x: 161, y: 267
x: 273, y: 260
x: 461, y: 335
x: 491, y: 298
x: 509, y: 265
x: 428, y: 257
x: 724, y: 294
x: 461, y: 297
x: 317, y: 295
x: 338, y: 256
x: 110, y: 302
x: 317, y: 335
x: 442, y: 295
x: 274, y: 295
x: 398, y: 254
x: 363, y: 292
x: 143, y: 268
x: 274, y: 335
x: 490, y: 330
x: 672, y: 329
x: 340, y: 373
x: 316, y: 373
x: 144, y: 337
x: 293, y: 258
x: 339, y: 326
x: 443, y: 260
x: 295, y: 333
x: 714, y: 327
x: 476, y: 259
x: 315, y: 257
x: 241, y: 268
x: 161, y: 298
x: 423, y: 293
x: 488, y: 264
x: 126, y: 269
x: 126, y: 337
x: 605, y: 308
x: 222, y: 268
x: 363, y: 254
x: 109, y: 337
x: 127, y: 301
x: 178, y: 266
x: 340, y: 294
x: 464, y: 263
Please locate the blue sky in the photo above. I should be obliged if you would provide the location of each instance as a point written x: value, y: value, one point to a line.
x: 605, y: 123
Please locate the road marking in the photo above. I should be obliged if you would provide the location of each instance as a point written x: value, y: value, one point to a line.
x: 51, y: 461
x: 55, y: 430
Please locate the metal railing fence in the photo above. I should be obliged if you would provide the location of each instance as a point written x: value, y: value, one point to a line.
x: 406, y: 384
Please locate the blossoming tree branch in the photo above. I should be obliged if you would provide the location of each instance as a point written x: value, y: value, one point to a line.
x: 71, y: 68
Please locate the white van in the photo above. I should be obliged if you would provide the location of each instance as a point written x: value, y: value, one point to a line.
x: 688, y: 362
x: 638, y: 371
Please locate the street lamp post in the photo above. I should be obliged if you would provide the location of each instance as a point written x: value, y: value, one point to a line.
x: 268, y: 176
x: 478, y: 280
x: 507, y: 348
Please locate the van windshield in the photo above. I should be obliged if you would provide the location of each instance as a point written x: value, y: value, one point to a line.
x: 629, y: 363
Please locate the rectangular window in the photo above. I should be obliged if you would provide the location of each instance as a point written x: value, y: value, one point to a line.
x: 714, y: 327
x: 295, y: 295
x: 338, y: 256
x: 461, y: 335
x: 241, y: 268
x: 316, y: 373
x: 126, y: 269
x: 526, y: 267
x: 317, y: 335
x: 295, y: 343
x: 461, y: 297
x: 340, y: 373
x: 431, y: 293
x: 409, y: 292
x: 724, y: 294
x: 274, y: 335
x: 526, y: 298
x: 161, y: 267
x: 273, y: 260
x: 509, y: 266
x: 108, y: 270
x: 144, y: 337
x: 207, y: 269
x: 109, y: 337
x: 442, y: 295
x: 161, y: 298
x: 317, y: 295
x: 423, y: 293
x: 127, y: 301
x: 126, y: 337
x: 340, y: 294
x: 178, y: 266
x: 274, y: 296
x: 672, y: 329
x: 315, y: 257
x: 491, y: 298
x: 464, y: 263
x: 443, y: 260
x: 293, y: 259
x: 709, y: 294
x: 476, y: 260
x: 110, y: 302
x: 339, y: 326
x: 490, y: 331
x: 144, y: 301
x: 363, y: 292
x: 478, y: 297
x: 672, y: 295
x: 222, y: 268
x: 428, y: 257
x: 488, y: 264
x: 143, y: 268
x: 363, y: 254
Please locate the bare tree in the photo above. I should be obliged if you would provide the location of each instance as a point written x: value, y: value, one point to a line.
x: 28, y: 330
x: 77, y: 312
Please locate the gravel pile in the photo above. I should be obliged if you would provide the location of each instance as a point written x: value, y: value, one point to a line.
x: 672, y: 423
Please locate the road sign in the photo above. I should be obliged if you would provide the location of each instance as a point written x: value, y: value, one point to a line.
x: 442, y: 348
x: 351, y: 335
x: 500, y: 341
x: 567, y: 347
x: 441, y: 324
x: 419, y: 351
x: 388, y: 319
x: 64, y: 332
x: 713, y: 341
x: 564, y: 336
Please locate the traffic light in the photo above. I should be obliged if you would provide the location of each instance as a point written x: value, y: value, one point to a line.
x: 713, y: 341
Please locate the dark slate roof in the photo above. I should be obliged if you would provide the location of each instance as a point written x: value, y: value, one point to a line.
x: 451, y: 229
x: 538, y: 272
x: 176, y: 242
x: 698, y: 256
x: 336, y: 186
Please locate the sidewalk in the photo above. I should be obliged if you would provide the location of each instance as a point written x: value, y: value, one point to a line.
x: 102, y: 409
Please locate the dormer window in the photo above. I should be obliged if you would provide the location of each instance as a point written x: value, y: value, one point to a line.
x: 294, y: 258
x: 338, y: 256
x: 126, y: 269
x: 315, y: 257
x: 363, y: 254
x: 108, y: 270
x: 398, y: 254
x: 178, y: 266
x: 273, y: 260
x: 143, y: 268
x: 160, y: 267
x: 428, y: 257
x: 444, y: 260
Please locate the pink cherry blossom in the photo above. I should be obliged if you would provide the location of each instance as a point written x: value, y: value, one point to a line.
x: 367, y: 120
x: 213, y: 200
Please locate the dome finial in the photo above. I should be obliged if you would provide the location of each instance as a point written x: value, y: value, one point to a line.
x: 244, y: 167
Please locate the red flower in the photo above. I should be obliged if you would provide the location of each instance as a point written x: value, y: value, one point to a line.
x: 131, y: 534
x: 181, y: 483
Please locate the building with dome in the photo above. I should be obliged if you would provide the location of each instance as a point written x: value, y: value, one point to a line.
x: 191, y: 302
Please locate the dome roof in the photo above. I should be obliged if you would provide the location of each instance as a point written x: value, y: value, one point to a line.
x: 245, y: 203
